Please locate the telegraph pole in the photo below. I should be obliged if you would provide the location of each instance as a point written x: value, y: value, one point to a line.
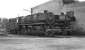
x: 31, y: 11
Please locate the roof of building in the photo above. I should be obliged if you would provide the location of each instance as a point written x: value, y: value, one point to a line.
x: 42, y: 4
x: 53, y: 1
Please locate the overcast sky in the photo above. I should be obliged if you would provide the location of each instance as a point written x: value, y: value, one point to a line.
x: 14, y: 8
x: 81, y: 0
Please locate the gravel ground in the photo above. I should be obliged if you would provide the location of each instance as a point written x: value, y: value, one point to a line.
x: 32, y: 43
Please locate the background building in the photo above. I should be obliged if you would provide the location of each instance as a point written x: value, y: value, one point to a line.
x: 3, y: 23
x: 54, y: 6
x: 58, y: 6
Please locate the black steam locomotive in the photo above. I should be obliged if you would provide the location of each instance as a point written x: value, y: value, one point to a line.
x: 45, y: 24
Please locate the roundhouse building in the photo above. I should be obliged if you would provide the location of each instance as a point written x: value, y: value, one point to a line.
x: 58, y: 6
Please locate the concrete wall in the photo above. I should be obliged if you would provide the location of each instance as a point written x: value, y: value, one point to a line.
x: 79, y: 10
x: 54, y: 6
x: 80, y: 14
x: 57, y: 6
